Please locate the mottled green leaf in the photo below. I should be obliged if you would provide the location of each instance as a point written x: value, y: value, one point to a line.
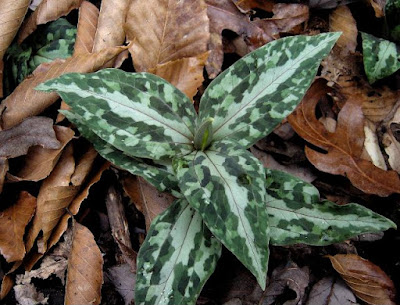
x: 176, y: 259
x: 256, y: 93
x: 161, y: 177
x: 296, y: 214
x: 225, y: 184
x: 139, y: 113
x: 381, y: 57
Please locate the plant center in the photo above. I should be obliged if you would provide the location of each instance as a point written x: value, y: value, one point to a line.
x: 203, y: 136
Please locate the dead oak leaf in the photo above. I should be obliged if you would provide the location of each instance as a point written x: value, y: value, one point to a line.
x: 344, y: 147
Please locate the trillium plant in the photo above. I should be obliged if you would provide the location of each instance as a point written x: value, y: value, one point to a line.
x: 225, y: 197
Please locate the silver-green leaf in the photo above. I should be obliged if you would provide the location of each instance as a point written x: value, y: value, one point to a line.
x: 176, y: 259
x: 225, y: 184
x: 381, y: 57
x: 139, y: 113
x: 296, y: 214
x: 256, y: 93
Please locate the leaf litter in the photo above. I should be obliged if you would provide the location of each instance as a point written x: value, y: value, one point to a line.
x: 62, y: 173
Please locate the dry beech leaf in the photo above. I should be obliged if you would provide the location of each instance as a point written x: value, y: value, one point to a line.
x: 3, y: 171
x: 341, y: 20
x: 86, y: 28
x: 391, y: 141
x: 12, y: 13
x: 186, y: 74
x: 84, y: 279
x: 287, y: 16
x: 245, y: 6
x: 33, y: 131
x: 40, y: 161
x: 110, y: 30
x: 6, y: 285
x: 146, y: 198
x: 344, y: 147
x: 379, y: 7
x: 368, y: 282
x: 179, y: 29
x: 12, y: 227
x: 25, y: 101
x: 48, y: 10
x: 224, y: 15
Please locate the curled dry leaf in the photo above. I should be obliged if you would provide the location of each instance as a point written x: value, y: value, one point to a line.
x: 245, y: 6
x: 12, y: 227
x: 25, y: 101
x: 33, y: 131
x: 84, y: 279
x: 86, y: 28
x: 146, y: 197
x: 391, y: 141
x: 368, y: 282
x: 179, y: 29
x: 341, y: 20
x: 7, y: 284
x: 344, y: 147
x: 110, y: 30
x: 48, y: 10
x: 3, y: 171
x: 224, y: 15
x: 12, y: 13
x: 379, y: 7
x: 40, y: 161
x: 372, y: 147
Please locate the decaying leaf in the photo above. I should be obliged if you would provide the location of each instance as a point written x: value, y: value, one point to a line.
x: 12, y: 227
x: 40, y: 161
x: 48, y: 10
x: 290, y: 276
x: 379, y: 7
x: 331, y: 291
x: 33, y: 131
x: 110, y: 30
x: 341, y: 20
x: 3, y: 171
x: 27, y: 294
x: 84, y: 279
x: 12, y: 14
x: 7, y: 284
x: 25, y: 101
x: 368, y: 282
x: 146, y: 197
x: 245, y: 6
x: 178, y: 30
x: 391, y: 141
x: 371, y: 145
x: 344, y: 147
x: 124, y: 281
x: 87, y: 25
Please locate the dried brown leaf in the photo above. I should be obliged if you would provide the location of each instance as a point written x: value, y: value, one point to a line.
x: 245, y: 6
x: 48, y: 10
x: 110, y: 30
x: 124, y: 281
x: 39, y: 161
x: 12, y: 227
x: 84, y: 279
x: 368, y: 282
x: 341, y: 20
x: 391, y: 141
x: 33, y: 131
x: 186, y: 74
x: 331, y: 291
x: 379, y: 7
x: 6, y: 285
x: 3, y: 171
x: 163, y: 31
x: 86, y: 28
x: 146, y: 197
x: 224, y: 15
x: 12, y: 13
x: 25, y: 101
x: 344, y: 147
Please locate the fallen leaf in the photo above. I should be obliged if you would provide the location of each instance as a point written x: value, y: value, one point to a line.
x: 245, y: 6
x: 25, y: 101
x: 33, y: 131
x: 27, y: 295
x: 343, y: 147
x: 110, y: 30
x: 379, y: 7
x: 331, y: 291
x: 48, y: 10
x: 3, y: 171
x: 391, y: 141
x: 224, y: 15
x: 328, y: 4
x: 124, y: 281
x: 146, y: 197
x: 12, y: 227
x: 371, y: 145
x: 40, y: 161
x: 341, y: 20
x: 12, y: 14
x: 288, y: 276
x: 86, y: 28
x: 7, y: 284
x: 84, y: 280
x: 368, y: 282
x: 186, y: 73
x: 178, y: 30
